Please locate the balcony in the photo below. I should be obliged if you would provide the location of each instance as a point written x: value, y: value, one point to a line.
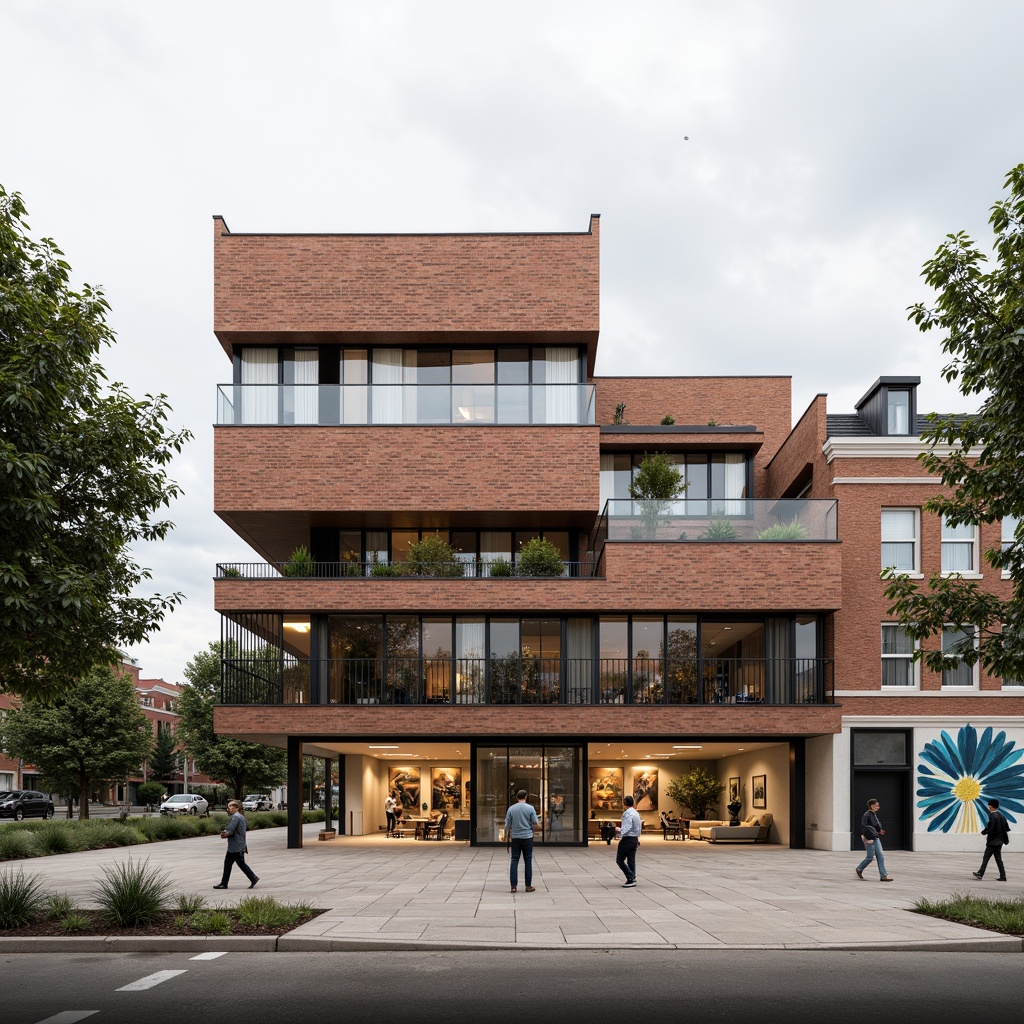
x: 405, y: 404
x: 462, y: 569
x: 718, y: 520
x: 518, y: 680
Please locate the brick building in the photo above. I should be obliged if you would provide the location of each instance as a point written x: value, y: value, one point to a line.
x: 387, y: 388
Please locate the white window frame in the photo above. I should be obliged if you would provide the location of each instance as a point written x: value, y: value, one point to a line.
x: 915, y: 675
x: 1008, y: 529
x: 915, y: 539
x: 973, y: 684
x: 972, y: 573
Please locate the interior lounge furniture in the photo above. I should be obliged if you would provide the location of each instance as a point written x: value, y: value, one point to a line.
x: 435, y: 829
x: 695, y: 826
x: 673, y: 828
x: 462, y: 830
x: 754, y: 829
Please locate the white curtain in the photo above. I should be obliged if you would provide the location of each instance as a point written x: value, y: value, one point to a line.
x: 307, y: 377
x: 387, y: 385
x: 735, y: 483
x: 560, y: 371
x: 470, y: 643
x: 259, y: 369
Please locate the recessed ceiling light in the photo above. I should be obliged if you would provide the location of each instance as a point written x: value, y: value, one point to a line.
x: 688, y: 746
x: 383, y: 746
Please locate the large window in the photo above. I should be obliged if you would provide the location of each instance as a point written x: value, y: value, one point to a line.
x: 898, y: 666
x: 1009, y: 530
x: 716, y: 482
x: 959, y: 548
x: 898, y: 408
x: 900, y: 549
x: 957, y: 640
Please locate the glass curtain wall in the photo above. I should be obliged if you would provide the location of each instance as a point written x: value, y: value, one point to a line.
x: 553, y: 780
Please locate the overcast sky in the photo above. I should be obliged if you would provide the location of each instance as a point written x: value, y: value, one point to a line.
x: 771, y: 176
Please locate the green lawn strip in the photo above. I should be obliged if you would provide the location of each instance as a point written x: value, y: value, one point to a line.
x: 997, y: 915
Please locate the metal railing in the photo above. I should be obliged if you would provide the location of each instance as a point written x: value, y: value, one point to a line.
x: 396, y: 404
x: 515, y: 679
x: 469, y: 568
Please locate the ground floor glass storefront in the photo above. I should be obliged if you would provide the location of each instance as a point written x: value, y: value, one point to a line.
x: 553, y: 779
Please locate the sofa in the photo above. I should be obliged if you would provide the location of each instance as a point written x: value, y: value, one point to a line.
x: 697, y: 824
x: 756, y: 828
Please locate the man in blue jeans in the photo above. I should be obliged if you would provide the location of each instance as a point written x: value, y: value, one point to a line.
x: 871, y: 832
x: 629, y: 840
x: 520, y: 820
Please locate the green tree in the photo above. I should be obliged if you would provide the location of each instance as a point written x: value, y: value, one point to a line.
x: 93, y: 732
x: 82, y: 465
x: 980, y: 309
x: 539, y: 557
x: 433, y: 556
x: 657, y: 483
x: 243, y: 766
x: 163, y: 761
x: 698, y: 789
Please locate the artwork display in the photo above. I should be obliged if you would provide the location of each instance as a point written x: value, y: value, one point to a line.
x: 645, y: 789
x: 405, y: 783
x: 605, y: 789
x: 759, y: 791
x: 734, y: 789
x: 446, y: 789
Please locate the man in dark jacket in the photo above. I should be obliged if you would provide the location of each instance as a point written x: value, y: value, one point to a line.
x: 871, y: 833
x: 996, y: 835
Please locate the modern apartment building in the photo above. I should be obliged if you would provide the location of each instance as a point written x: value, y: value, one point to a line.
x: 390, y: 388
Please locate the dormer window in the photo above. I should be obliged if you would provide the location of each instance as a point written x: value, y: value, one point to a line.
x: 898, y: 406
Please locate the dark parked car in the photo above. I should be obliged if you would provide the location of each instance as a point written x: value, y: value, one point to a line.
x: 25, y: 803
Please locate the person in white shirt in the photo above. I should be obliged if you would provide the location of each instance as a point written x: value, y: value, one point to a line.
x: 629, y: 840
x: 390, y: 806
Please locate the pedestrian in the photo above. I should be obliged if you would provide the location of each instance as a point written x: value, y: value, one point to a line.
x: 520, y: 820
x: 629, y: 840
x: 390, y: 806
x: 996, y: 838
x: 234, y: 833
x: 871, y: 833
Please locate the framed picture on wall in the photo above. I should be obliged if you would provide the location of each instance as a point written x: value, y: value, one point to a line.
x: 405, y: 783
x: 645, y: 789
x: 605, y: 789
x: 759, y: 791
x: 734, y: 789
x: 446, y: 789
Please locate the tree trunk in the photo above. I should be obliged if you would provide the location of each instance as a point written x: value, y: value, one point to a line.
x: 83, y: 798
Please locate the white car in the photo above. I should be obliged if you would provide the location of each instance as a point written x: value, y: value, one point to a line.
x: 257, y: 802
x: 185, y: 803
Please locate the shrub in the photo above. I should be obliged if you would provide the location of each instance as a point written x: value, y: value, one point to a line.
x: 300, y: 564
x: 265, y: 911
x: 500, y: 567
x: 719, y: 528
x: 433, y: 556
x: 16, y: 843
x: 124, y: 835
x: 57, y: 837
x: 539, y: 557
x: 211, y: 922
x: 151, y: 793
x: 131, y: 895
x: 21, y: 898
x: 667, y: 420
x: 620, y: 411
x: 165, y: 827
x: 385, y: 569
x: 783, y: 531
x: 309, y: 817
x: 59, y: 905
x: 74, y: 922
x: 189, y: 902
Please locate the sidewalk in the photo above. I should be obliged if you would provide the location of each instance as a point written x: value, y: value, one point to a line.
x: 390, y: 894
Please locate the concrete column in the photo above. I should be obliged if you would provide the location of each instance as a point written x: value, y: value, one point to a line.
x: 294, y: 785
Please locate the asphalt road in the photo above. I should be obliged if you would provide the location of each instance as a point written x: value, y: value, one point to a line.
x: 540, y: 987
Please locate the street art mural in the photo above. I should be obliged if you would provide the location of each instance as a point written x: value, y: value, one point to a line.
x: 956, y: 778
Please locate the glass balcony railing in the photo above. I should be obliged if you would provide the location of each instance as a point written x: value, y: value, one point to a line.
x: 461, y: 568
x: 523, y: 679
x: 718, y: 519
x: 396, y: 404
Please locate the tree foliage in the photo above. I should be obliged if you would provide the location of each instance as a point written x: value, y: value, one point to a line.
x: 94, y: 732
x: 163, y: 760
x: 81, y: 476
x: 243, y: 766
x: 980, y: 309
x: 698, y: 790
x: 657, y: 483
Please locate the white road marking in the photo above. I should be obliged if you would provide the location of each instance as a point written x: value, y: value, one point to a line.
x: 68, y: 1017
x: 208, y: 956
x: 149, y: 981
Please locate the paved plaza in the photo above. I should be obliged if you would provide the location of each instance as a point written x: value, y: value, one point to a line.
x: 406, y: 894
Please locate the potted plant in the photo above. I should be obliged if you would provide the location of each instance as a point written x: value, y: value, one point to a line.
x: 656, y: 484
x: 300, y: 564
x: 699, y: 790
x: 433, y: 556
x: 538, y: 557
x: 719, y: 528
x: 784, y: 531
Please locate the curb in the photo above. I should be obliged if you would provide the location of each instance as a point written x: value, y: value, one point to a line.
x: 321, y: 944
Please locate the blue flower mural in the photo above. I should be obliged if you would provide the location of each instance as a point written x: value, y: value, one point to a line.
x: 957, y: 779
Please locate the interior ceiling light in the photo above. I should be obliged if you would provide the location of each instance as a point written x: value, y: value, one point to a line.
x: 688, y: 746
x: 383, y: 746
x: 298, y: 627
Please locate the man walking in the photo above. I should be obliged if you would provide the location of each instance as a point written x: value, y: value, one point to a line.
x: 390, y: 806
x: 629, y: 840
x: 871, y: 833
x: 996, y: 836
x: 234, y: 833
x: 520, y: 820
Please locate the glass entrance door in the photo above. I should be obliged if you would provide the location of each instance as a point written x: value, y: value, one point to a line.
x: 553, y: 779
